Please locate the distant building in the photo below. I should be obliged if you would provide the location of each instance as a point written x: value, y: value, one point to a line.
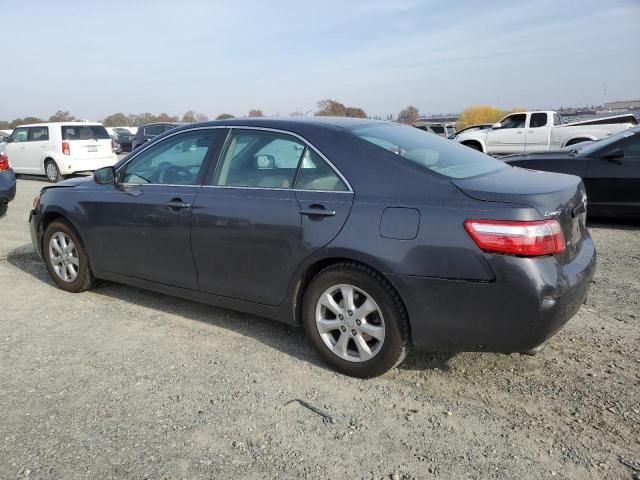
x: 623, y: 105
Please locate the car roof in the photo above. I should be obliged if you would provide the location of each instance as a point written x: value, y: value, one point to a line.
x: 71, y: 124
x: 293, y: 123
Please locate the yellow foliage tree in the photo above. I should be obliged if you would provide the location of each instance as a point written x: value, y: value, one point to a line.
x: 479, y: 114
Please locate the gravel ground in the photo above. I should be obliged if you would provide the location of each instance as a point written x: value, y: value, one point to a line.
x: 123, y: 383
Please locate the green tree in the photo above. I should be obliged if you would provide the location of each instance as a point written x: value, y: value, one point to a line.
x: 256, y: 112
x: 116, y: 120
x: 224, y: 116
x: 62, y: 116
x: 409, y: 115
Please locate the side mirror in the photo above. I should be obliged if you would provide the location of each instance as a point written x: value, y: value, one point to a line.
x: 105, y: 175
x: 496, y: 125
x: 7, y: 139
x: 615, y: 155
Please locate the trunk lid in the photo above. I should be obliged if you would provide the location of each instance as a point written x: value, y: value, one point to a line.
x: 553, y: 195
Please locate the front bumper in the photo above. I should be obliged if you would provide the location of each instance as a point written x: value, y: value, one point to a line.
x: 35, y: 220
x: 530, y: 300
x: 70, y: 166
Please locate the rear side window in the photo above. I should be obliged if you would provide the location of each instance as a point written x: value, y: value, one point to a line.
x: 38, y: 134
x: 538, y: 120
x: 437, y: 129
x: 84, y: 132
x: 429, y: 151
x: 154, y: 130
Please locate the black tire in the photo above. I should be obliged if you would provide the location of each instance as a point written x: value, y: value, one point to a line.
x: 85, y: 279
x: 51, y: 166
x: 395, y: 346
x: 3, y: 208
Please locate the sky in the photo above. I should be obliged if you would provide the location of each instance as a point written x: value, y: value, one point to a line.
x: 98, y: 58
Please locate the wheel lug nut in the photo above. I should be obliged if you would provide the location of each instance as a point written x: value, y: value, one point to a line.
x: 344, y: 329
x: 349, y: 313
x: 353, y: 332
x: 358, y: 322
x: 341, y: 317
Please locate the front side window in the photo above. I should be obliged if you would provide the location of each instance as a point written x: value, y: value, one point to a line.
x: 177, y: 160
x: 429, y: 151
x: 514, y: 121
x: 316, y: 174
x: 38, y: 134
x: 19, y: 135
x: 254, y: 158
x: 538, y: 120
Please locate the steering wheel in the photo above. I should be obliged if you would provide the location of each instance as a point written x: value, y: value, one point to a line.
x: 175, y: 174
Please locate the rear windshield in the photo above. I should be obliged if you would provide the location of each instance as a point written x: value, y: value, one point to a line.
x: 84, y: 132
x: 430, y: 151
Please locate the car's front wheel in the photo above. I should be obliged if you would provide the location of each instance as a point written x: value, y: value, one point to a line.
x: 66, y: 259
x: 355, y: 320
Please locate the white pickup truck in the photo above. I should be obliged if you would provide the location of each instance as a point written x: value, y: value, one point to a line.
x: 540, y: 131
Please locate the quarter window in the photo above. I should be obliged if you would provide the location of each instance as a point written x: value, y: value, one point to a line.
x: 254, y: 158
x: 632, y: 149
x: 38, y: 134
x: 19, y: 135
x: 316, y: 174
x: 177, y: 160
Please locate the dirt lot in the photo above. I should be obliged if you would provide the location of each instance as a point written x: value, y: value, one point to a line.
x: 123, y: 383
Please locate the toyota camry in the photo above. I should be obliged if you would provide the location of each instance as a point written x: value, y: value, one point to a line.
x: 374, y: 236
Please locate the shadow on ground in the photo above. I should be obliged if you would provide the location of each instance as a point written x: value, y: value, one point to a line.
x: 276, y: 335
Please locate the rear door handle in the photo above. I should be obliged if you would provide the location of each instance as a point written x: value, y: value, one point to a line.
x: 177, y: 204
x: 317, y: 212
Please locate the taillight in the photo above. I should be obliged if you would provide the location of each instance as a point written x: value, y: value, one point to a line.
x: 113, y: 145
x: 66, y: 149
x: 4, y: 161
x: 540, y: 237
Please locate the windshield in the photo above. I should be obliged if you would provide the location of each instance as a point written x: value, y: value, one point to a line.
x: 432, y: 152
x: 591, y: 147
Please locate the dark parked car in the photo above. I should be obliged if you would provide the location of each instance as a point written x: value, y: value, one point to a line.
x: 150, y: 131
x: 7, y: 183
x: 610, y: 170
x: 125, y: 138
x: 372, y: 235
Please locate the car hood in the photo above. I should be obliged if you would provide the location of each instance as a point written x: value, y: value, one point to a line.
x: 71, y: 182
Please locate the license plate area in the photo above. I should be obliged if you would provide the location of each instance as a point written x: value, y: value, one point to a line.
x: 92, y: 148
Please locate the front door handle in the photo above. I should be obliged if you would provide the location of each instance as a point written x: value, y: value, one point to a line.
x: 177, y: 204
x: 317, y: 212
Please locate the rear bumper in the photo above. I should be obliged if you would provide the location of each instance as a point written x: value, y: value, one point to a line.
x: 530, y: 300
x: 7, y: 185
x: 71, y: 165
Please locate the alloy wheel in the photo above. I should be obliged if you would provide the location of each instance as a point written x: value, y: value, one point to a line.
x: 64, y: 257
x: 350, y: 323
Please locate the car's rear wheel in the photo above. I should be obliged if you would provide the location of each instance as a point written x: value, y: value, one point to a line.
x: 52, y: 171
x: 66, y: 259
x: 355, y: 320
x: 4, y: 206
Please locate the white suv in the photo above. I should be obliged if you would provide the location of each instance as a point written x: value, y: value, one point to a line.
x: 59, y: 149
